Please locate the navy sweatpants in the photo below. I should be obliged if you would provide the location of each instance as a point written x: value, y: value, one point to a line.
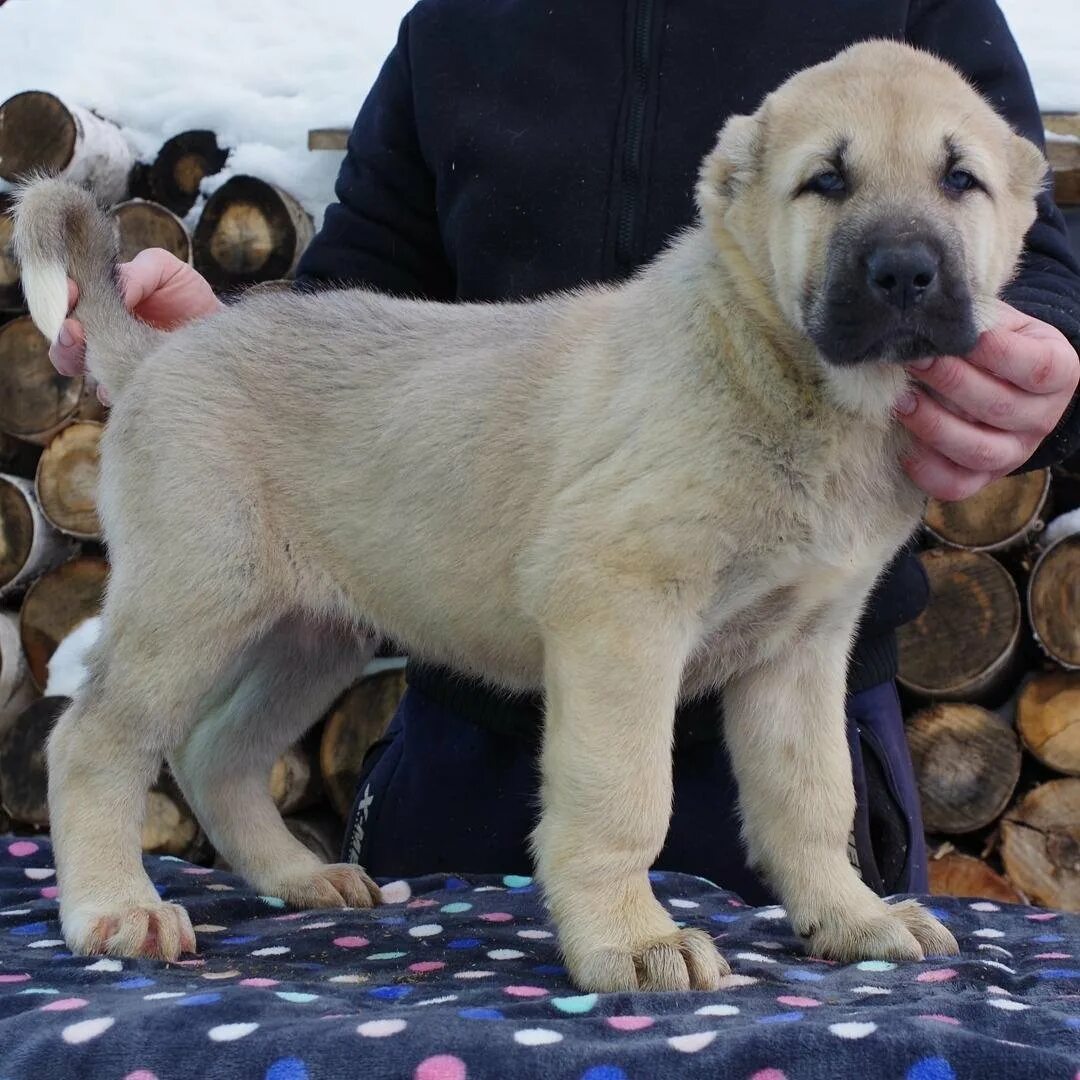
x: 440, y: 793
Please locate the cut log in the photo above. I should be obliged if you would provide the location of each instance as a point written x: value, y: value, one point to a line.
x: 169, y: 827
x: 965, y: 645
x: 55, y: 604
x: 1063, y: 153
x: 1053, y: 596
x: 1040, y: 844
x: 17, y: 457
x: 23, y: 786
x: 328, y: 139
x: 67, y: 478
x: 1048, y: 719
x: 294, y: 781
x: 16, y: 688
x: 29, y: 545
x: 320, y: 832
x: 180, y: 167
x: 356, y: 721
x: 250, y: 231
x: 955, y: 874
x: 38, y: 132
x: 11, y: 296
x: 1000, y: 516
x: 967, y: 763
x: 141, y: 224
x: 36, y: 401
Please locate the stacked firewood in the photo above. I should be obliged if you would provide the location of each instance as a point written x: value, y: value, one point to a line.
x: 53, y: 566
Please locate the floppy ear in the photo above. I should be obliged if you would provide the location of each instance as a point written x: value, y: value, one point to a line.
x: 732, y: 161
x: 1028, y: 167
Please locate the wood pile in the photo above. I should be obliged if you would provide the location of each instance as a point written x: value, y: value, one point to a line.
x: 990, y: 673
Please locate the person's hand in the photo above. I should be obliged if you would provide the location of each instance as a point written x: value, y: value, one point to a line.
x: 977, y: 418
x: 158, y: 288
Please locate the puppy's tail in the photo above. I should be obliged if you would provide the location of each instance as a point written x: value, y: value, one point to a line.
x: 59, y: 233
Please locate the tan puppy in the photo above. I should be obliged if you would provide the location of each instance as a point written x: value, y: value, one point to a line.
x: 553, y: 494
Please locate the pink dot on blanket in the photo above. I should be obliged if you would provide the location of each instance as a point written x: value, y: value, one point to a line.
x: 65, y: 1005
x: 940, y: 1018
x: 21, y: 977
x: 351, y: 942
x: 525, y: 991
x: 50, y: 892
x: 799, y: 1002
x: 768, y: 1074
x: 940, y: 975
x: 197, y: 870
x: 497, y: 916
x: 440, y: 1067
x: 141, y: 1074
x: 630, y: 1023
x: 422, y: 967
x: 259, y: 984
x: 22, y: 847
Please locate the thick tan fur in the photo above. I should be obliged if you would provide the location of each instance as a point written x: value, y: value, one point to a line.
x: 618, y: 496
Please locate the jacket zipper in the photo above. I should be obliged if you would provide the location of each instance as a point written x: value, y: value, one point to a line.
x: 633, y: 146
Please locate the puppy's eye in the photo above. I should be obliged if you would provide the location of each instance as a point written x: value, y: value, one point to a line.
x: 958, y: 181
x: 829, y: 183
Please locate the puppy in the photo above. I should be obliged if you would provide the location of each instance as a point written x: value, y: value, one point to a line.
x: 620, y: 495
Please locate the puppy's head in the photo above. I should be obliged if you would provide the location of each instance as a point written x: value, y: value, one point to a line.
x: 879, y: 200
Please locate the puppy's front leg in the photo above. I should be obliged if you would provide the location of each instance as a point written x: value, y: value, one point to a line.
x: 611, y: 691
x: 785, y: 729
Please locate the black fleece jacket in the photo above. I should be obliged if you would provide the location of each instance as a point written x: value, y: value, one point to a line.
x: 514, y: 147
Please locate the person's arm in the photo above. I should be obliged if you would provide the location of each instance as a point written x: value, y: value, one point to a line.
x: 383, y: 231
x: 974, y: 36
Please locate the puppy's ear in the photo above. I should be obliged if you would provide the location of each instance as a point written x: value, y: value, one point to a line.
x: 732, y: 162
x: 1028, y: 167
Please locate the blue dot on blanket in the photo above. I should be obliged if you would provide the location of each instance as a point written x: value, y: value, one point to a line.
x: 200, y: 999
x: 781, y: 1018
x: 389, y: 993
x: 240, y: 939
x: 463, y: 943
x: 803, y: 976
x: 480, y: 1014
x: 136, y: 983
x: 289, y: 1068
x: 604, y: 1072
x: 31, y: 929
x: 455, y: 884
x: 933, y: 1068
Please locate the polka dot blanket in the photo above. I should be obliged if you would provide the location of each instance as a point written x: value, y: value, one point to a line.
x: 459, y: 979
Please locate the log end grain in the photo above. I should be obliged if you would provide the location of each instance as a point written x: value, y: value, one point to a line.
x: 1003, y: 513
x: 11, y: 297
x: 141, y: 224
x: 956, y: 874
x: 1048, y: 719
x: 57, y: 603
x: 16, y: 530
x: 1054, y: 601
x: 37, y: 131
x: 967, y: 763
x: 35, y: 399
x: 962, y: 647
x: 180, y: 167
x: 1040, y: 844
x: 67, y: 478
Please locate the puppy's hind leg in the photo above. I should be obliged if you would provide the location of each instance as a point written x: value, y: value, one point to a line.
x: 288, y: 681
x: 612, y: 684
x: 148, y: 677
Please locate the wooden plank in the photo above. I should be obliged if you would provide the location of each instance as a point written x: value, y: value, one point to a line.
x: 1064, y: 155
x: 327, y: 138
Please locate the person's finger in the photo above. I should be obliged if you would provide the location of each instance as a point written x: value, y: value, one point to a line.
x: 68, y: 352
x: 941, y: 478
x: 73, y: 294
x: 1037, y: 358
x: 972, y: 446
x: 975, y: 394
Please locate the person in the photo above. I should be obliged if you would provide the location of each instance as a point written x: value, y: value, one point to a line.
x: 506, y: 153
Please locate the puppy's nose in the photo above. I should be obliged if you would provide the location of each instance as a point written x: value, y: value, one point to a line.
x: 902, y: 274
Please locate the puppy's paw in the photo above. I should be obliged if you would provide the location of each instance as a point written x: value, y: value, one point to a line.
x: 902, y: 931
x: 332, y: 886
x: 158, y: 931
x: 683, y: 960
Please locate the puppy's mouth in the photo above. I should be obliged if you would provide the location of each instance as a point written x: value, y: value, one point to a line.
x: 891, y: 296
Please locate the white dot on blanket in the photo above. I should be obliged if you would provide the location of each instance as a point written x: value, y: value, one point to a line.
x: 1008, y: 1004
x: 425, y: 930
x: 691, y: 1044
x: 505, y: 954
x: 984, y: 905
x: 231, y: 1032
x: 380, y: 1029
x: 870, y: 990
x: 46, y: 943
x: 771, y: 913
x: 755, y: 956
x: 39, y: 873
x: 536, y: 1037
x: 853, y: 1029
x: 717, y: 1010
x: 85, y: 1030
x: 535, y: 935
x: 105, y: 964
x: 676, y: 902
x: 395, y: 892
x: 473, y: 974
x: 987, y: 932
x: 272, y: 950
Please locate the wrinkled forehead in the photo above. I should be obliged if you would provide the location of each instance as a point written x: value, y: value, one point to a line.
x: 907, y: 124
